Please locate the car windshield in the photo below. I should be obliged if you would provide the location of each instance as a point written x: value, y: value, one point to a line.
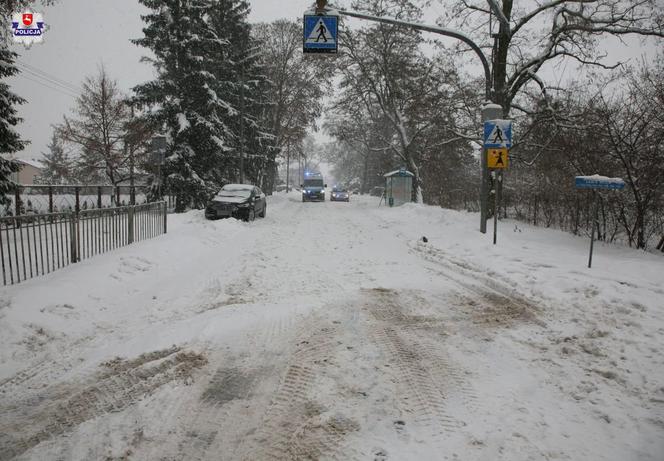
x: 313, y: 183
x: 339, y: 189
x: 234, y: 192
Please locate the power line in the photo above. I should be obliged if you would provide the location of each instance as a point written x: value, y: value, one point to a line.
x: 46, y: 81
x: 49, y: 80
x: 47, y: 76
x: 59, y: 90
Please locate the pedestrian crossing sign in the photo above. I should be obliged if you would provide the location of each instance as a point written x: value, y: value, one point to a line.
x: 321, y: 33
x: 497, y: 159
x: 497, y: 134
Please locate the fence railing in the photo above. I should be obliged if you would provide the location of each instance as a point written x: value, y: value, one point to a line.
x: 31, y: 199
x: 38, y: 244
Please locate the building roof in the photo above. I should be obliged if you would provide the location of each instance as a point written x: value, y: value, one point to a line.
x: 33, y: 163
x: 400, y: 172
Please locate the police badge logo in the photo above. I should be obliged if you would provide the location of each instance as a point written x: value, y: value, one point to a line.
x: 28, y: 28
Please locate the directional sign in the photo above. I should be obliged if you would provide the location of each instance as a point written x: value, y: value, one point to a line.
x: 321, y: 33
x: 599, y: 182
x: 497, y: 159
x: 498, y: 134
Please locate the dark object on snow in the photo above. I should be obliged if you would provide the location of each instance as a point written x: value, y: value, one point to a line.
x: 660, y: 245
x: 425, y: 240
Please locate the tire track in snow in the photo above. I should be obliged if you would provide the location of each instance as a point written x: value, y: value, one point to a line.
x: 207, y: 424
x: 425, y: 378
x: 122, y: 383
x: 494, y: 302
x: 295, y: 425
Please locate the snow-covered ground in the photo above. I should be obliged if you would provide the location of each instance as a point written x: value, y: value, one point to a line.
x: 333, y: 331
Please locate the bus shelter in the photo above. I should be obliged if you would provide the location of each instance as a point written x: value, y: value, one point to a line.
x: 399, y: 187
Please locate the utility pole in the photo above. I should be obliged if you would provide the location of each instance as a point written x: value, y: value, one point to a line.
x: 241, y: 128
x: 158, y: 149
x: 132, y: 190
x: 288, y: 168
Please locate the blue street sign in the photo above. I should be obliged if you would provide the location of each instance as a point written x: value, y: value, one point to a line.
x: 599, y: 182
x: 320, y: 34
x: 498, y: 134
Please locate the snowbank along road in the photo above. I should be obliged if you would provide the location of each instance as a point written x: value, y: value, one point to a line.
x: 333, y: 331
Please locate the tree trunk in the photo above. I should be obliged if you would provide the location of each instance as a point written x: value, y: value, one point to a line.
x: 499, y: 61
x: 640, y: 230
x: 577, y: 216
x: 365, y: 173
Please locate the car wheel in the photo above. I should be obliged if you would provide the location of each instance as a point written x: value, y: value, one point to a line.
x: 264, y: 212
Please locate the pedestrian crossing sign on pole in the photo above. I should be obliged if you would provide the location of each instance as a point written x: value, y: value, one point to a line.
x: 498, y: 134
x: 321, y: 33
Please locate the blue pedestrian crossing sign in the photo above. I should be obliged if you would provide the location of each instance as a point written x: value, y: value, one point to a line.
x: 321, y: 33
x: 498, y: 134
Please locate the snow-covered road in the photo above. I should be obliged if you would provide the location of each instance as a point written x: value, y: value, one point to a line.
x: 332, y: 331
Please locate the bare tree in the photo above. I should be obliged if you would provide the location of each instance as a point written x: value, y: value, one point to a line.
x: 634, y: 130
x: 614, y: 128
x: 387, y: 73
x: 99, y: 129
x: 296, y: 84
x: 547, y: 31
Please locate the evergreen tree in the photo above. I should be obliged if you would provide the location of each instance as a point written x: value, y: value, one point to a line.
x: 58, y: 167
x: 243, y: 81
x: 10, y: 141
x: 185, y: 97
x: 240, y: 79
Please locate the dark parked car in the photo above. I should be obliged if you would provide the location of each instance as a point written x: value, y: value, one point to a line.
x: 240, y: 201
x: 339, y: 194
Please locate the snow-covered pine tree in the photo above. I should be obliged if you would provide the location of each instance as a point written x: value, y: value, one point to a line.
x: 58, y: 167
x: 184, y: 98
x: 242, y: 80
x: 10, y: 141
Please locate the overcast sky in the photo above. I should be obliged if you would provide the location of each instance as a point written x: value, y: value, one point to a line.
x: 80, y: 38
x: 83, y: 34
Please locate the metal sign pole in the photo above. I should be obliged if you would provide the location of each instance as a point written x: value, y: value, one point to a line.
x: 496, y: 203
x: 489, y: 112
x: 593, y: 183
x: 592, y: 232
x: 495, y: 207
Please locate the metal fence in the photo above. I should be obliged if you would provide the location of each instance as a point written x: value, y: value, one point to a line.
x: 34, y: 245
x: 31, y: 199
